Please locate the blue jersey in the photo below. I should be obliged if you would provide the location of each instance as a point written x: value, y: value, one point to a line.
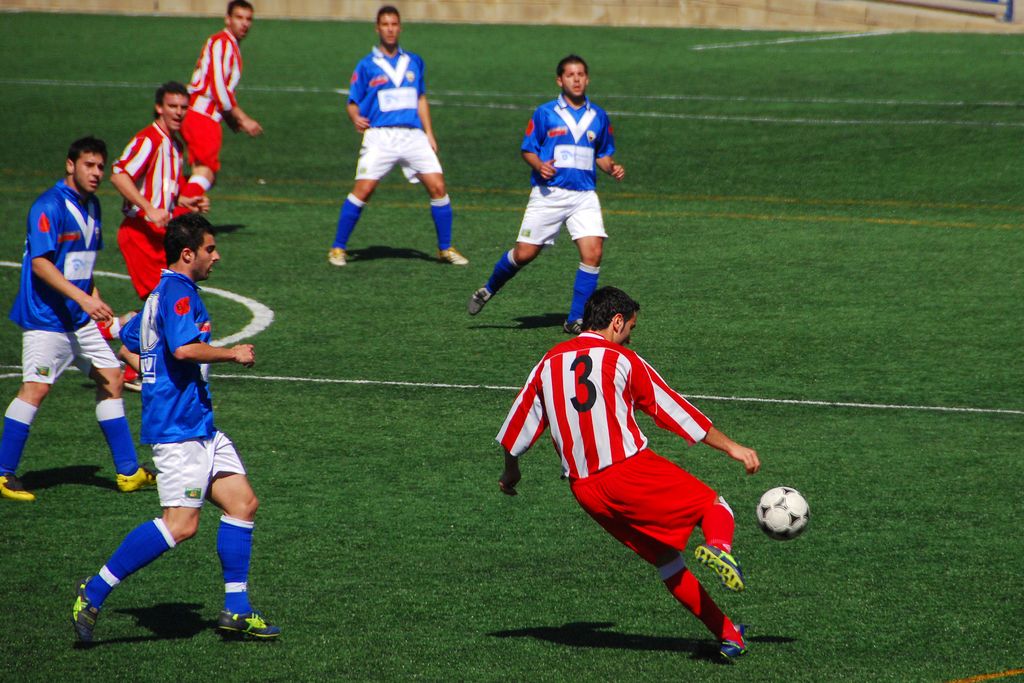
x: 176, y: 401
x: 65, y: 230
x: 572, y: 139
x: 388, y: 89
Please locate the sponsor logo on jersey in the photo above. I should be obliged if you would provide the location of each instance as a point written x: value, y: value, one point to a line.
x: 68, y: 236
x: 182, y: 306
x: 556, y: 132
x: 194, y: 494
x: 591, y: 135
x: 44, y: 223
x: 379, y: 80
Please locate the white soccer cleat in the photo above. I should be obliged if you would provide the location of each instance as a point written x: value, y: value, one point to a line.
x: 337, y: 257
x: 450, y: 255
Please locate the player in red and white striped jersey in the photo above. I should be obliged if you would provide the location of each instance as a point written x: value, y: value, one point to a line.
x: 212, y: 91
x: 586, y: 390
x: 149, y: 175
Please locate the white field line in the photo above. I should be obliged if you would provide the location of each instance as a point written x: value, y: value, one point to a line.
x: 703, y: 397
x: 262, y: 316
x: 789, y: 41
x: 502, y: 387
x: 644, y: 114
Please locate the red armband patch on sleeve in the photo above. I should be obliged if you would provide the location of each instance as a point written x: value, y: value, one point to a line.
x: 182, y: 306
x: 355, y: 77
x: 43, y: 224
x: 529, y: 127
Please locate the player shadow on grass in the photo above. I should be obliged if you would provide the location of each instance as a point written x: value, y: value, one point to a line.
x: 228, y: 228
x: 527, y: 322
x: 168, y: 621
x: 84, y: 475
x: 595, y: 634
x: 378, y: 251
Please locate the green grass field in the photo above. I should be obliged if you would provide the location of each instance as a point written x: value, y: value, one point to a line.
x: 817, y: 222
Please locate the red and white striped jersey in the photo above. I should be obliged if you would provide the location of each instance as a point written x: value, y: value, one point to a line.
x: 218, y: 70
x: 585, y: 390
x: 154, y: 161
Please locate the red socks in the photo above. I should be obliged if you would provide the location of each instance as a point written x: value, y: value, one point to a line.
x: 718, y: 525
x: 687, y: 590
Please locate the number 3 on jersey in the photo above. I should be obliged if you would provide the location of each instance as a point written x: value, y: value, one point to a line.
x: 586, y: 392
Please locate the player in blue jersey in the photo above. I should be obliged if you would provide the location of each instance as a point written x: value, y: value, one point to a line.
x: 57, y: 306
x: 566, y: 140
x: 194, y: 459
x: 387, y: 103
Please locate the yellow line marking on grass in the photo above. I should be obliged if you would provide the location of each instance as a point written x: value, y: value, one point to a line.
x: 990, y: 677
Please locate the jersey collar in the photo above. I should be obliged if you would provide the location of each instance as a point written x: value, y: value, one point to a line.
x: 167, y: 272
x: 377, y: 52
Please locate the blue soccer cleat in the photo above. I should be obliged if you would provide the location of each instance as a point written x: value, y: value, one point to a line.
x: 732, y: 649
x: 723, y: 564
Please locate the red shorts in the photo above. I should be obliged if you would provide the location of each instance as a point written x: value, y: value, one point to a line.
x: 648, y: 503
x: 204, y: 137
x: 142, y: 246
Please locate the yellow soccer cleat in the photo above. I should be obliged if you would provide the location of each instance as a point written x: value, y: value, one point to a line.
x: 450, y: 255
x: 723, y: 564
x: 11, y: 487
x: 248, y: 625
x: 337, y: 257
x: 126, y: 483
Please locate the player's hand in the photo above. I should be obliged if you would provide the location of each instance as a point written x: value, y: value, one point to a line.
x: 158, y: 217
x: 200, y: 204
x: 97, y: 308
x: 617, y: 171
x: 433, y: 143
x: 361, y: 123
x: 547, y: 169
x: 244, y: 354
x: 251, y: 127
x: 747, y: 456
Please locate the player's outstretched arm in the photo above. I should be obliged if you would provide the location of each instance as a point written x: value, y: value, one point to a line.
x: 199, y: 352
x: 511, y: 476
x: 97, y: 309
x: 747, y: 456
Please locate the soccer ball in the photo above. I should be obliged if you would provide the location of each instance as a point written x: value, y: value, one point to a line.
x: 782, y: 513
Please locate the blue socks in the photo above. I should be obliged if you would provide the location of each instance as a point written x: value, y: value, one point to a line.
x: 110, y: 415
x: 347, y: 219
x: 142, y: 545
x: 17, y: 422
x: 586, y: 283
x: 441, y: 212
x: 234, y: 546
x: 504, y: 270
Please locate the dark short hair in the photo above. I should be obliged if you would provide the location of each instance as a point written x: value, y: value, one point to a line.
x: 169, y: 88
x: 87, y: 144
x: 388, y: 9
x: 185, y: 231
x: 570, y: 59
x: 235, y: 4
x: 604, y: 304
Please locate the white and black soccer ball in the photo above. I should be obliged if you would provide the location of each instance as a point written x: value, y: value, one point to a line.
x: 782, y: 513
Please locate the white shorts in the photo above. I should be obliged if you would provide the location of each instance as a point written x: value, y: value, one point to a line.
x: 385, y: 147
x: 185, y: 469
x: 45, y: 355
x: 550, y: 207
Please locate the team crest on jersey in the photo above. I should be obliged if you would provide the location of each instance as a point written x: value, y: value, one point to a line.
x: 410, y: 76
x: 556, y: 132
x: 379, y: 80
x: 182, y: 306
x: 591, y: 135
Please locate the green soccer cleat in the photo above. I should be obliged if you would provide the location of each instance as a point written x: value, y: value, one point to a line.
x: 723, y: 564
x: 83, y: 615
x: 249, y: 625
x: 143, y: 478
x: 12, y: 488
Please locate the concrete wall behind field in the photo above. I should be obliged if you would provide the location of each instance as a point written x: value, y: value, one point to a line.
x: 824, y: 15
